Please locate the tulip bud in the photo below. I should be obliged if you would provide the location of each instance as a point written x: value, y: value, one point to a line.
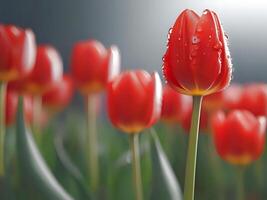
x: 17, y: 52
x: 239, y: 137
x: 93, y: 66
x: 197, y: 60
x: 134, y: 100
x: 59, y: 95
x: 47, y: 70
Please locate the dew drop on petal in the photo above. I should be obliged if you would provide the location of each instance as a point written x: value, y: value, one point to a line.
x: 195, y: 39
x: 218, y: 45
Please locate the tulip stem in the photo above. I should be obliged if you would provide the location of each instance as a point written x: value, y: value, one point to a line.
x: 92, y: 143
x: 240, y: 184
x: 2, y: 127
x: 137, y: 181
x: 37, y: 113
x: 190, y: 172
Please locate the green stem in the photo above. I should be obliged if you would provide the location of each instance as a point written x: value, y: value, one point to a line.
x: 134, y: 143
x: 240, y: 184
x: 37, y: 114
x: 92, y: 142
x: 190, y: 172
x: 2, y: 127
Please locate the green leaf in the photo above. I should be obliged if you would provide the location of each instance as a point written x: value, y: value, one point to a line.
x: 163, y: 174
x: 70, y: 167
x: 33, y: 165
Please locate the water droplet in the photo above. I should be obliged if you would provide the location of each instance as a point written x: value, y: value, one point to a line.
x: 169, y: 33
x: 218, y: 45
x: 179, y: 38
x: 177, y: 61
x: 205, y: 12
x: 209, y: 36
x: 195, y: 39
x: 199, y: 29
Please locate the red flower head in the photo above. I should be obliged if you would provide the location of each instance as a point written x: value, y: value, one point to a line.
x: 134, y: 100
x: 225, y: 100
x: 232, y: 97
x: 239, y: 137
x: 17, y: 52
x: 197, y: 60
x: 174, y: 105
x: 59, y: 95
x: 254, y: 99
x: 187, y: 116
x: 93, y: 66
x: 12, y: 104
x: 48, y: 69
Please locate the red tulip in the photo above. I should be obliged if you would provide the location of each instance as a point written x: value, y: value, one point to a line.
x: 48, y: 69
x: 197, y: 60
x: 174, y: 105
x: 254, y: 99
x: 134, y: 100
x: 93, y: 66
x: 17, y: 52
x: 232, y: 97
x: 12, y: 104
x: 239, y: 137
x: 186, y: 120
x: 59, y: 95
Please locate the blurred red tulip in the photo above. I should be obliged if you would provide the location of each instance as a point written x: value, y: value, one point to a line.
x: 232, y: 97
x: 93, y: 66
x: 17, y: 52
x: 254, y: 99
x: 48, y: 69
x: 174, y: 105
x: 197, y: 60
x: 239, y: 137
x: 59, y: 95
x: 12, y: 104
x: 204, y: 120
x: 134, y: 100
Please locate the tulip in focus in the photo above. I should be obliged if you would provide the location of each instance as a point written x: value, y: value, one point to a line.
x: 239, y: 136
x: 59, y: 95
x: 197, y: 60
x: 174, y: 105
x: 17, y: 52
x: 134, y: 100
x: 93, y: 66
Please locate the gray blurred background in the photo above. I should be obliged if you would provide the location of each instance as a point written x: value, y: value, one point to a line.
x: 139, y: 28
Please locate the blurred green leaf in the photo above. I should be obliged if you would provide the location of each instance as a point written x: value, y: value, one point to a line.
x: 70, y: 167
x: 163, y: 173
x: 33, y: 165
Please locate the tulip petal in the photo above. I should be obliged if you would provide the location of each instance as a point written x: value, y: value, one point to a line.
x: 177, y: 57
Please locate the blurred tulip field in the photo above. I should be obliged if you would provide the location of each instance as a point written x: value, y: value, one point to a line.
x: 92, y: 128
